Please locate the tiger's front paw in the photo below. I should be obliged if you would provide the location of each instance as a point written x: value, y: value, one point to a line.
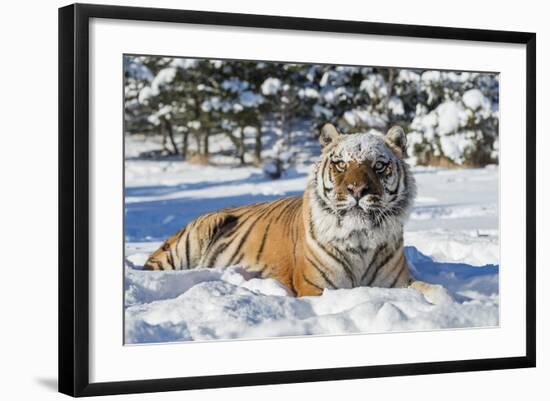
x: 434, y: 293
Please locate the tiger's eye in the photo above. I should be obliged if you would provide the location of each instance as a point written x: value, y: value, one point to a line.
x: 379, y: 166
x: 341, y: 165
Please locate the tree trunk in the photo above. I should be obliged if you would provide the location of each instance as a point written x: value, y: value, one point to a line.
x: 185, y: 144
x: 241, y: 147
x: 258, y: 146
x: 170, y: 132
x: 390, y: 86
x: 164, y: 138
x: 284, y: 128
x: 205, y: 141
x: 198, y: 142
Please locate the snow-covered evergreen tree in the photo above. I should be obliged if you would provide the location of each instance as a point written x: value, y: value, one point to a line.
x: 256, y: 107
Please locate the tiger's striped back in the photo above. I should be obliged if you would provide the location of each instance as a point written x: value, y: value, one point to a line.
x: 264, y: 237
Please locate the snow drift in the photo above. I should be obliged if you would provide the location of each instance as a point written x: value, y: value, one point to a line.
x: 210, y: 304
x: 451, y: 240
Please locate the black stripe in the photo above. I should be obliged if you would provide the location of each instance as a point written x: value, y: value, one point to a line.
x: 291, y: 220
x: 355, y: 251
x: 398, y: 181
x: 383, y: 263
x: 322, y: 204
x: 294, y: 251
x: 172, y: 257
x: 260, y: 251
x: 216, y: 253
x: 239, y: 259
x: 285, y: 208
x: 261, y: 271
x: 265, y: 213
x: 377, y: 268
x: 154, y: 261
x: 295, y: 227
x: 286, y: 218
x: 394, y: 281
x: 177, y: 243
x: 221, y: 228
x: 187, y: 257
x: 251, y: 210
x: 346, y: 267
x: 323, y: 169
x: 321, y: 272
x: 169, y: 259
x: 233, y: 230
x: 393, y: 269
x: 375, y: 256
x: 311, y: 282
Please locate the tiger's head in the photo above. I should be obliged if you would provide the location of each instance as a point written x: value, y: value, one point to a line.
x: 363, y: 179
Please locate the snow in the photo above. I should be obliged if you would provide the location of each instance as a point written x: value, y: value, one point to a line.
x: 434, y: 104
x: 413, y: 138
x: 271, y: 86
x: 247, y: 98
x: 153, y: 119
x: 375, y: 86
x: 474, y: 100
x: 215, y: 103
x: 454, y: 146
x: 217, y: 63
x: 163, y: 77
x: 365, y: 117
x: 459, y: 77
x: 322, y: 111
x: 137, y: 70
x: 447, y: 122
x: 451, y: 241
x: 250, y: 131
x: 396, y: 106
x: 195, y: 124
x: 450, y: 117
x: 334, y: 95
x: 184, y: 63
x: 408, y: 76
x: 308, y: 93
x: 234, y: 85
x: 250, y: 99
x: 426, y: 124
x: 145, y: 94
x: 474, y: 247
x: 431, y: 76
x: 224, y: 304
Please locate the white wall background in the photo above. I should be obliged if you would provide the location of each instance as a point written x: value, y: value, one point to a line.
x: 28, y: 200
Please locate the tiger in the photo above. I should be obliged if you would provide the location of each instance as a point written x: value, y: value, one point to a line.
x: 345, y: 231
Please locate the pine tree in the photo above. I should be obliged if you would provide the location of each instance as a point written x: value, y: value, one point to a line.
x: 452, y: 117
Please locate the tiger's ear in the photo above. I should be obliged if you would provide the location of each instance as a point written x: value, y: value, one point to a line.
x: 329, y: 134
x: 397, y: 136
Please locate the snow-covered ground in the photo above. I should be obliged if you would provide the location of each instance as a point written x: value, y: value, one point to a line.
x: 451, y: 239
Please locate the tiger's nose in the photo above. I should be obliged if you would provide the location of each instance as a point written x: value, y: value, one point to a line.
x: 358, y: 191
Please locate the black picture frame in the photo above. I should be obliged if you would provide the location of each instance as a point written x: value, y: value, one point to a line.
x: 74, y: 198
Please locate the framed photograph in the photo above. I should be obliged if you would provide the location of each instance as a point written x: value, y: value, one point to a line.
x: 251, y: 199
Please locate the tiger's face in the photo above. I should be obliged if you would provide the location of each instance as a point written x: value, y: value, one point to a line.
x: 363, y: 179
